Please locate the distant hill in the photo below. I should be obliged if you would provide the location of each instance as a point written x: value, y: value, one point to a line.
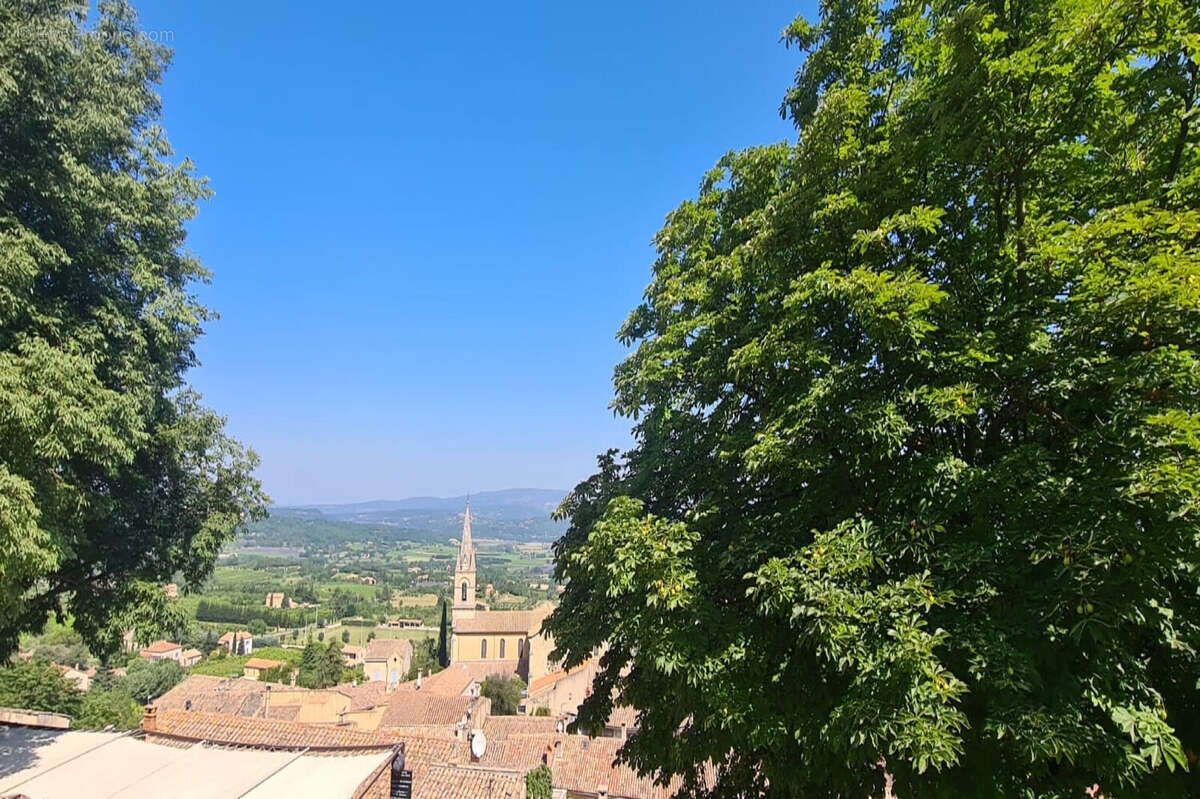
x: 514, y: 514
x: 510, y: 503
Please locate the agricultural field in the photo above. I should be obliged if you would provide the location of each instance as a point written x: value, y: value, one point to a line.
x: 231, y: 666
x: 359, y: 635
x: 415, y: 601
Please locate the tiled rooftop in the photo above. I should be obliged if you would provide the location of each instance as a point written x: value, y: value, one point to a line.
x: 272, y: 733
x: 364, y: 695
x: 382, y: 648
x: 412, y: 708
x: 457, y: 677
x: 161, y: 647
x: 457, y: 782
x: 527, y: 622
x: 206, y: 694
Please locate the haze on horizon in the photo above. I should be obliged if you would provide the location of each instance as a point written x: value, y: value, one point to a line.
x: 429, y: 222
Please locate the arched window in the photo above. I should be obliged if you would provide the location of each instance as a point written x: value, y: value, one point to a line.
x: 502, y: 649
x: 483, y: 648
x: 464, y: 591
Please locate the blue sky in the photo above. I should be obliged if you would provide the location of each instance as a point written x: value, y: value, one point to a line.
x: 430, y: 219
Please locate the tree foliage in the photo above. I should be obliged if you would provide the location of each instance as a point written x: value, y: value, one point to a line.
x: 113, y: 476
x: 38, y: 686
x: 505, y: 693
x: 147, y: 680
x: 539, y: 783
x: 100, y: 709
x: 916, y: 480
x: 320, y: 665
x: 443, y: 646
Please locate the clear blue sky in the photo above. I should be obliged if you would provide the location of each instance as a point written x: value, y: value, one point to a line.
x: 430, y: 219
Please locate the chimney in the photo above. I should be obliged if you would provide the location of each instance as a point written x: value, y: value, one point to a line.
x: 602, y: 791
x: 150, y: 719
x: 557, y: 749
x: 293, y: 679
x: 418, y: 679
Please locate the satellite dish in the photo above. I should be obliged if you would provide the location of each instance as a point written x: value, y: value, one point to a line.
x: 478, y: 744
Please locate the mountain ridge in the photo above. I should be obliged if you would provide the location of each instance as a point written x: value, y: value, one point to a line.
x: 508, y: 501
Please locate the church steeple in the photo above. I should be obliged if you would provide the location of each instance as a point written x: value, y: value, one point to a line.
x: 464, y: 572
x: 466, y: 550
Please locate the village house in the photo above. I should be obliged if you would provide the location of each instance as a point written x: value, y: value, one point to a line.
x: 401, y: 624
x: 437, y: 723
x: 387, y: 660
x: 189, y: 657
x: 354, y: 655
x: 253, y: 668
x: 80, y: 678
x: 162, y: 650
x: 237, y: 643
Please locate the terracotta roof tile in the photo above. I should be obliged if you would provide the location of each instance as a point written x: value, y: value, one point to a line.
x: 623, y: 715
x: 457, y: 677
x: 546, y: 681
x: 504, y: 621
x: 364, y: 695
x: 455, y: 782
x: 206, y: 694
x: 413, y: 708
x: 161, y: 647
x: 499, y: 728
x: 262, y: 663
x: 230, y: 730
x: 382, y: 648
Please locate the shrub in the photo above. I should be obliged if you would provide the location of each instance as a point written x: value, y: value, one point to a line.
x: 538, y: 783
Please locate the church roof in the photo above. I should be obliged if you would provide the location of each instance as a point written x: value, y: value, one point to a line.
x: 527, y: 622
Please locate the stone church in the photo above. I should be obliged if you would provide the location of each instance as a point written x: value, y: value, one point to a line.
x: 510, y: 639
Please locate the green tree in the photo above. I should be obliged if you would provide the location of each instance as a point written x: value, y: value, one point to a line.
x: 320, y: 665
x: 256, y: 626
x: 443, y: 645
x: 108, y: 708
x: 280, y: 674
x: 505, y: 693
x: 38, y: 686
x: 345, y: 636
x: 112, y: 475
x: 60, y: 645
x: 145, y: 680
x: 917, y: 446
x: 539, y: 784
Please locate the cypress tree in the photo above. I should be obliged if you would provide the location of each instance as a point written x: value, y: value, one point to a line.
x: 443, y: 644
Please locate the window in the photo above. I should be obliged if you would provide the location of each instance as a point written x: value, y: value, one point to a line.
x: 502, y: 649
x: 483, y: 649
x: 464, y: 591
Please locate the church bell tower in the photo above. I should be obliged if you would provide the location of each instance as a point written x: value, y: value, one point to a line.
x: 464, y: 572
